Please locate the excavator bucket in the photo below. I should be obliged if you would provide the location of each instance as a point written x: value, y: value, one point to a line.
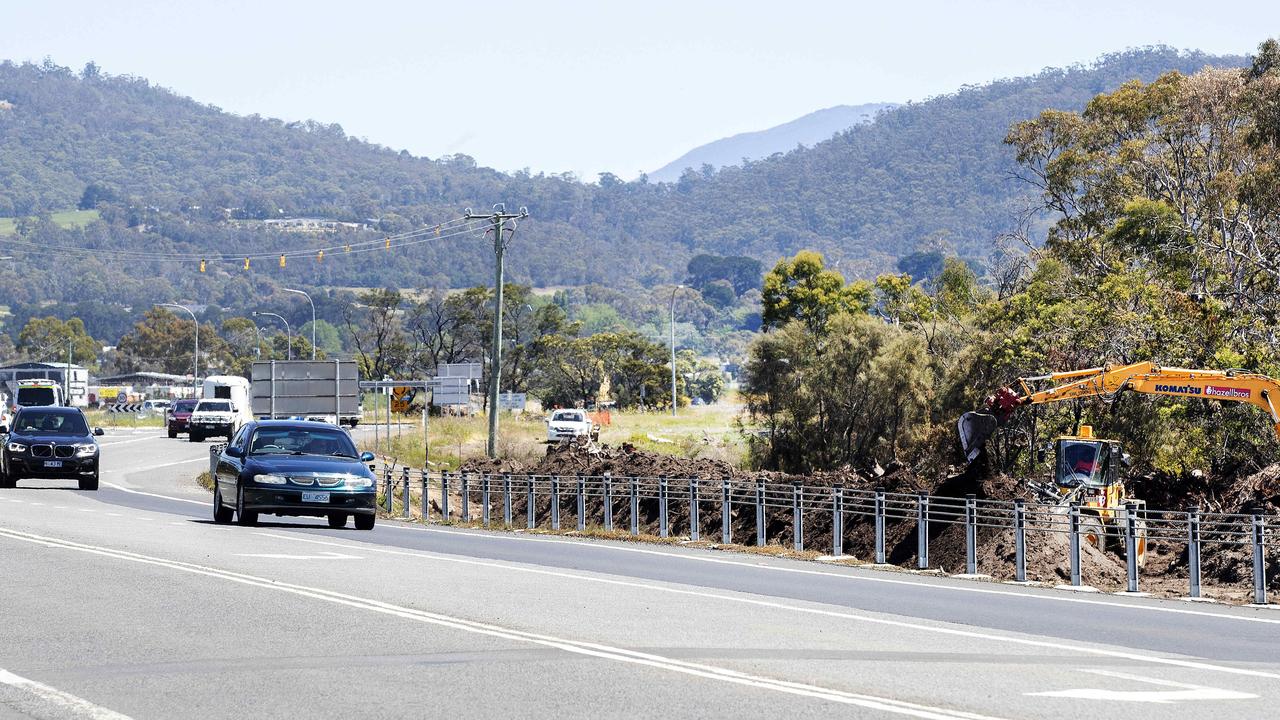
x: 975, y: 428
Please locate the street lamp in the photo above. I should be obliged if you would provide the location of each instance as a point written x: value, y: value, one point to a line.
x: 674, y: 290
x: 288, y: 333
x: 195, y: 358
x: 313, y: 318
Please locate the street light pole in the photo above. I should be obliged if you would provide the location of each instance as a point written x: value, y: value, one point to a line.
x: 288, y: 333
x: 313, y: 318
x: 674, y: 290
x: 195, y: 360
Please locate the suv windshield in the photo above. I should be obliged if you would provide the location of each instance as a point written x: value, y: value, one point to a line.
x: 213, y: 407
x: 566, y: 416
x: 301, y: 441
x: 184, y: 406
x: 34, y: 396
x: 30, y: 421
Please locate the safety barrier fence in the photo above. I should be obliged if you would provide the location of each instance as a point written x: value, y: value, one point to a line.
x: 822, y: 518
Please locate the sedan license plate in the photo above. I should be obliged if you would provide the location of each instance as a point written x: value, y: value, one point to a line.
x: 315, y: 497
x: 53, y: 463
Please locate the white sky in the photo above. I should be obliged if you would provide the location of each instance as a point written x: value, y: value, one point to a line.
x: 558, y: 86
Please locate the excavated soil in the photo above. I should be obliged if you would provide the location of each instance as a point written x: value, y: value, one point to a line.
x: 1227, y: 571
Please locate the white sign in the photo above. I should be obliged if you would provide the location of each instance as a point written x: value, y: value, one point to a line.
x: 511, y: 401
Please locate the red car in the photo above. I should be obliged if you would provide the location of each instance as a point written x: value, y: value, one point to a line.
x: 178, y: 418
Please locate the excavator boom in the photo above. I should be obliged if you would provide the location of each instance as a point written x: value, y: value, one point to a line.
x: 1143, y: 377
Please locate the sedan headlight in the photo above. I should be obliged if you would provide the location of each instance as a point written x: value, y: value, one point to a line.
x: 270, y: 479
x: 86, y: 450
x: 356, y: 481
x: 17, y: 447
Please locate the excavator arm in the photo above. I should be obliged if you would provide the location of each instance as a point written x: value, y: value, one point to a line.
x: 1143, y: 377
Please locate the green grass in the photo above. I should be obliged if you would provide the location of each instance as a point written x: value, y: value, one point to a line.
x: 704, y: 432
x: 63, y: 218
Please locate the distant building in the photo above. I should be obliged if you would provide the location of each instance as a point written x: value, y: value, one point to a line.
x: 310, y: 225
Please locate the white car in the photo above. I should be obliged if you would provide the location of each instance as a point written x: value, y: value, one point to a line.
x: 214, y: 417
x: 158, y: 407
x: 570, y: 424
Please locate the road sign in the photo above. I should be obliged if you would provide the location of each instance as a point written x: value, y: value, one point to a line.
x: 402, y: 398
x: 511, y: 401
x: 471, y: 371
x: 451, y: 391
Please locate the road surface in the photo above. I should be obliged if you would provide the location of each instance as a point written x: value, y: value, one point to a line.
x: 130, y: 602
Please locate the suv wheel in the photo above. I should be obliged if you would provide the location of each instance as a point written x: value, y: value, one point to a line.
x: 221, y: 513
x: 173, y: 432
x: 194, y: 436
x: 365, y: 522
x: 89, y: 483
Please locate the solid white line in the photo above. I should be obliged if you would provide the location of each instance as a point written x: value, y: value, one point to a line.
x: 917, y: 583
x: 63, y: 700
x: 709, y: 672
x: 126, y: 442
x: 746, y: 600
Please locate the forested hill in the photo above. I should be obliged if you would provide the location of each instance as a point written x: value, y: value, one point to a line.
x: 163, y: 169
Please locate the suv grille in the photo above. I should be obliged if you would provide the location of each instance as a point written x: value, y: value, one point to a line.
x: 41, y: 451
x: 64, y: 451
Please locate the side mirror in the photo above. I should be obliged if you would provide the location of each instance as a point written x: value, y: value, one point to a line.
x: 366, y: 456
x: 98, y: 432
x: 4, y: 429
x: 235, y: 452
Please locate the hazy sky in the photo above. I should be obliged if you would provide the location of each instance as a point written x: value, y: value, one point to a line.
x: 591, y: 86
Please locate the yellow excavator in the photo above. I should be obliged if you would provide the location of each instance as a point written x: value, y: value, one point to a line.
x: 1087, y: 468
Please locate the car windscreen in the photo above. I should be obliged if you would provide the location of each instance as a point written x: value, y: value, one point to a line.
x: 33, y: 396
x: 214, y: 407
x: 184, y: 406
x: 301, y: 441
x: 36, y: 422
x: 566, y: 417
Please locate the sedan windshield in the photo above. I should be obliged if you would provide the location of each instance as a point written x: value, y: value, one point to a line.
x: 48, y: 422
x: 301, y: 441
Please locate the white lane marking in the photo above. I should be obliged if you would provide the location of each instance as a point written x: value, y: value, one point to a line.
x: 63, y: 700
x: 87, y: 510
x: 709, y: 672
x: 746, y: 600
x: 148, y: 494
x: 283, y: 556
x: 157, y: 467
x: 126, y: 442
x: 1184, y: 692
x: 916, y: 583
x: 35, y: 504
x: 114, y: 515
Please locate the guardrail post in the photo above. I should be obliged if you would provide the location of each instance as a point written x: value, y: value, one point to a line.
x: 531, y: 507
x: 1073, y: 527
x: 726, y: 526
x: 388, y: 490
x: 971, y: 534
x: 922, y: 530
x: 484, y: 499
x: 1131, y: 546
x: 582, y: 504
x: 444, y: 497
x: 506, y: 500
x: 608, y: 503
x: 1193, y: 551
x: 408, y: 502
x: 1259, y: 560
x: 466, y: 499
x: 635, y: 508
x: 555, y: 502
x: 797, y: 519
x: 662, y: 507
x: 1020, y: 540
x: 879, y: 513
x: 760, y: 513
x: 426, y: 496
x: 837, y: 521
x: 694, y: 533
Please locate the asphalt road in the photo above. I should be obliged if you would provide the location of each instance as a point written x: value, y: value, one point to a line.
x: 129, y: 601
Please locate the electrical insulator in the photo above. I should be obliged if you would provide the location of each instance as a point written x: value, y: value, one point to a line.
x: 202, y: 266
x: 437, y: 231
x: 320, y: 256
x: 281, y: 259
x: 246, y: 263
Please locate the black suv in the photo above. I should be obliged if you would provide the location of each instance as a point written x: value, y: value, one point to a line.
x: 49, y: 442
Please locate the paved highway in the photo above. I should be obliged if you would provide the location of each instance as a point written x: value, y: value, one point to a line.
x: 129, y: 602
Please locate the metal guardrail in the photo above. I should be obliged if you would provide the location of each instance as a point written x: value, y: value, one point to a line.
x: 482, y: 496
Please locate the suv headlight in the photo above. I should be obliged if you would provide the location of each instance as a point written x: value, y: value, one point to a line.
x: 270, y: 479
x: 356, y: 481
x: 17, y: 447
x: 86, y: 450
